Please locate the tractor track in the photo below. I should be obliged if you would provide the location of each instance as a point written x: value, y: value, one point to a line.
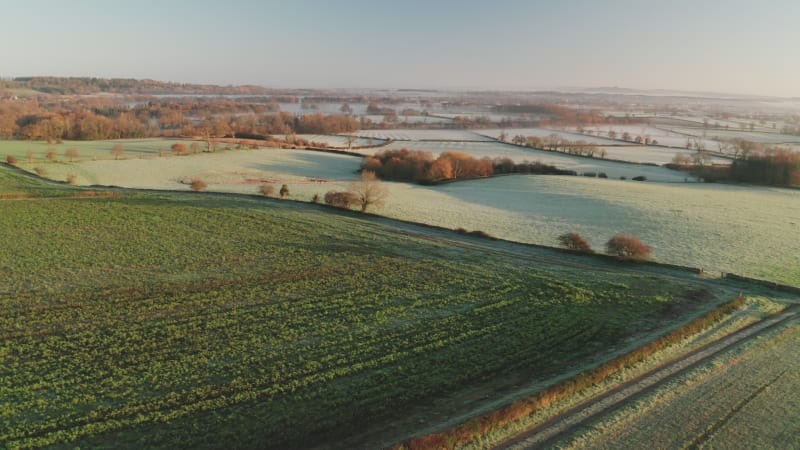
x: 548, y: 433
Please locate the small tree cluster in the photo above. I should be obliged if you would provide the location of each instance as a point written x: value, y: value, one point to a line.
x: 267, y: 189
x: 626, y: 246
x: 575, y: 241
x: 198, y: 184
x: 341, y: 199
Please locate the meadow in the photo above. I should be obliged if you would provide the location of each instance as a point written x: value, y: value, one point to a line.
x: 134, y: 148
x: 204, y: 320
x: 740, y: 229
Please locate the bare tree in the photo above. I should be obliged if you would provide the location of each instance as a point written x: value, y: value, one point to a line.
x: 267, y: 189
x: 284, y: 192
x: 369, y: 191
x: 72, y: 153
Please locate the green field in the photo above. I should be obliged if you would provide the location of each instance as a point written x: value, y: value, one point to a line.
x: 208, y: 321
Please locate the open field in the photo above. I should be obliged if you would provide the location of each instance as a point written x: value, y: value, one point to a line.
x: 740, y: 229
x: 223, y: 321
x: 663, y: 136
x: 423, y: 135
x: 743, y: 399
x: 542, y: 132
x: 249, y: 168
x: 754, y: 136
x: 134, y: 148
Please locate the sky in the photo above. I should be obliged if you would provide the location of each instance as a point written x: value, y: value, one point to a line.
x: 726, y: 46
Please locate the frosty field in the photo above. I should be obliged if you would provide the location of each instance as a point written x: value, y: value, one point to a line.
x: 741, y: 229
x: 542, y: 132
x: 755, y: 136
x: 423, y: 135
x: 134, y: 148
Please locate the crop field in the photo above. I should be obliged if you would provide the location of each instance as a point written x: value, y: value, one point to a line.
x: 423, y: 135
x: 743, y: 400
x: 134, y: 148
x: 221, y: 321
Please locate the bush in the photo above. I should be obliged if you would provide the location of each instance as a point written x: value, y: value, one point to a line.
x: 639, y: 178
x: 341, y: 199
x: 284, y: 191
x: 316, y: 198
x: 575, y: 241
x: 72, y: 178
x: 626, y: 246
x: 267, y: 189
x: 180, y: 149
x: 40, y: 171
x: 590, y: 174
x: 198, y: 184
x: 11, y: 159
x: 602, y: 175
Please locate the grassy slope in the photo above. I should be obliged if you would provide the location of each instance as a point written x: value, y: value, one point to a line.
x: 140, y: 320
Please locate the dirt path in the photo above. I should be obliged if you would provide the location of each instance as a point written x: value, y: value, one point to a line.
x: 548, y: 433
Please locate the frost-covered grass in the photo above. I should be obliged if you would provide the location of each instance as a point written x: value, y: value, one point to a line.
x: 378, y: 118
x: 663, y: 136
x: 333, y: 140
x: 742, y: 229
x: 651, y: 155
x: 542, y: 132
x: 422, y: 135
x: 134, y: 148
x: 755, y: 136
x: 247, y: 168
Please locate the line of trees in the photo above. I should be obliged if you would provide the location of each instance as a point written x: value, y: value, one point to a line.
x: 421, y: 167
x: 623, y: 246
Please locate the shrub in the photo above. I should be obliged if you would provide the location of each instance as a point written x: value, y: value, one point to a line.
x: 575, y: 241
x: 284, y: 191
x: 11, y: 159
x: 627, y: 246
x: 602, y: 175
x: 639, y: 178
x: 72, y: 178
x: 180, y: 149
x: 198, y: 185
x: 52, y: 155
x: 590, y: 174
x: 316, y: 198
x: 40, y: 171
x: 341, y: 199
x: 267, y: 189
x: 72, y: 154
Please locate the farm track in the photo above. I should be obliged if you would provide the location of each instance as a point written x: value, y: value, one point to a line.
x: 548, y: 433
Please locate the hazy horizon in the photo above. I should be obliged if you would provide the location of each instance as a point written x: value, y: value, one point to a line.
x: 726, y: 47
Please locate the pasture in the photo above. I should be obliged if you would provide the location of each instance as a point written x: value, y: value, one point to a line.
x: 134, y: 148
x: 208, y: 321
x: 740, y: 229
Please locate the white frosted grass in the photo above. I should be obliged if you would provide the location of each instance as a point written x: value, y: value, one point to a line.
x: 543, y: 132
x: 652, y: 155
x: 746, y: 230
x: 742, y: 229
x: 663, y: 136
x: 422, y: 135
x: 237, y: 167
x: 755, y: 136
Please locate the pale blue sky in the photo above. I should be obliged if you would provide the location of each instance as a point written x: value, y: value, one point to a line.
x: 738, y: 46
